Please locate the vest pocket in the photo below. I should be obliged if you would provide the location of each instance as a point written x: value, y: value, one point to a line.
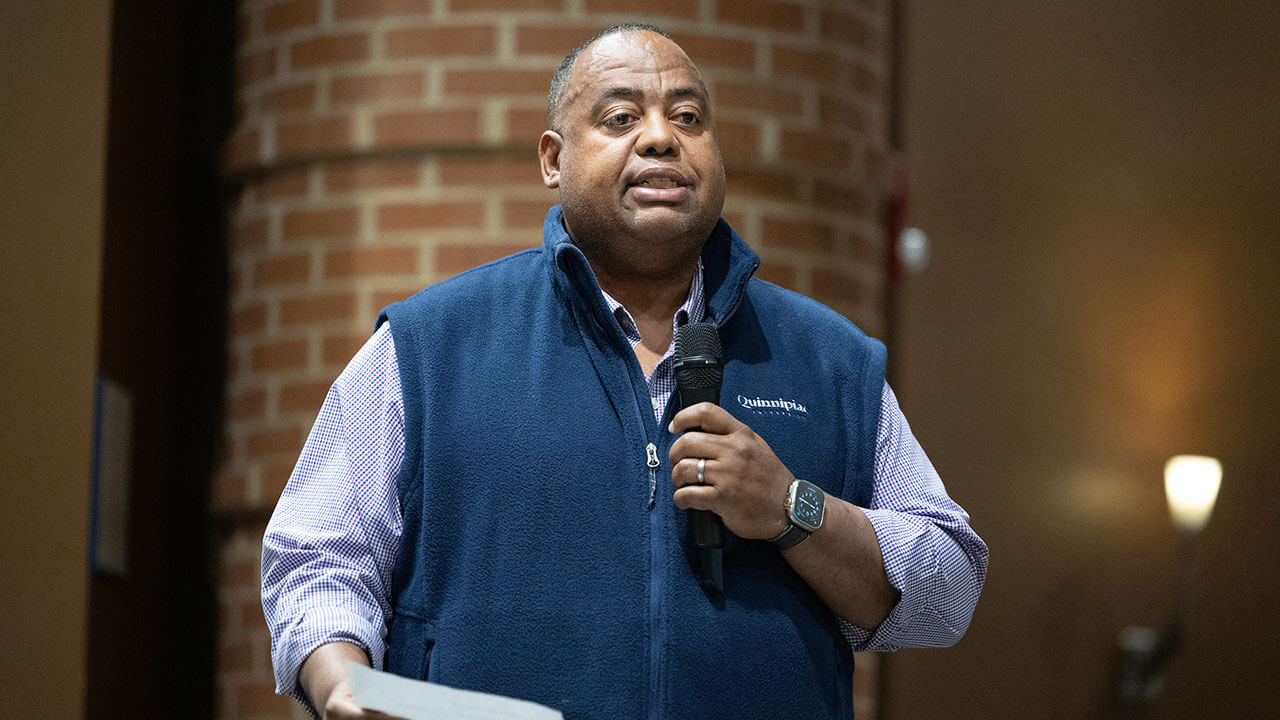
x: 410, y: 641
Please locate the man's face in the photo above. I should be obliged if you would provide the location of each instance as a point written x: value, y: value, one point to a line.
x: 635, y: 157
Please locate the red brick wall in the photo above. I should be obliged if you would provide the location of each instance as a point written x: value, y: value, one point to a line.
x: 383, y: 145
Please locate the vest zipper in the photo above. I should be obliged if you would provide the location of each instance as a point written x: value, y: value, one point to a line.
x: 656, y: 570
x: 651, y: 453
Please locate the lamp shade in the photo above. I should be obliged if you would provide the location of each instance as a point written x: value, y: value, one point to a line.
x: 1191, y: 485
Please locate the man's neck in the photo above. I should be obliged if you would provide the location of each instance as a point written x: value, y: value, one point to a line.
x: 652, y: 305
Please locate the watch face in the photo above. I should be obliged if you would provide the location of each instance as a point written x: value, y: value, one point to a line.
x: 807, y: 506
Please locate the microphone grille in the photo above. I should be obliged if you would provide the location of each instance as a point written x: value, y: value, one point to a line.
x: 701, y: 341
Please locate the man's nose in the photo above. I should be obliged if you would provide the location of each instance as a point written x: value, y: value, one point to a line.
x: 657, y: 137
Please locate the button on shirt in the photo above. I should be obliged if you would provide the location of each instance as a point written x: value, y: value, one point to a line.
x: 332, y: 541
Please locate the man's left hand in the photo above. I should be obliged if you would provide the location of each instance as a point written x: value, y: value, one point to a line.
x: 743, y: 481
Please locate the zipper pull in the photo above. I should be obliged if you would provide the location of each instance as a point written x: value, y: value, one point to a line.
x: 651, y: 452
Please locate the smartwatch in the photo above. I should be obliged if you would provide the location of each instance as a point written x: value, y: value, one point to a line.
x: 806, y: 506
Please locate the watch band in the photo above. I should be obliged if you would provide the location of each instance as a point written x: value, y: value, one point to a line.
x: 789, y: 538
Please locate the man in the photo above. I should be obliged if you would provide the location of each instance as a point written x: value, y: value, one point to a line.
x: 493, y: 495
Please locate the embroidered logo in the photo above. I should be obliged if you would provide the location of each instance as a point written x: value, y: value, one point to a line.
x: 774, y: 407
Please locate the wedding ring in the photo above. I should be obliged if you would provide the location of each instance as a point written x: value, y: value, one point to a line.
x: 702, y: 469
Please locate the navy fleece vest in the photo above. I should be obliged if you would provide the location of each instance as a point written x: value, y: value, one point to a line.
x: 542, y: 558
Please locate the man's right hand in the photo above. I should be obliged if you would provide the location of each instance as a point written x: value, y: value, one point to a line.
x: 342, y: 706
x: 324, y: 679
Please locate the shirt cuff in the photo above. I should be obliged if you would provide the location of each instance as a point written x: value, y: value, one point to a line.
x: 911, y: 564
x: 322, y: 625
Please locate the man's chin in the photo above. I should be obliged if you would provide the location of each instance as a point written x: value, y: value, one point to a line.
x: 658, y: 221
x: 677, y: 232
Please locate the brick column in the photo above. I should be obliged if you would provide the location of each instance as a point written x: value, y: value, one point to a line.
x: 384, y: 145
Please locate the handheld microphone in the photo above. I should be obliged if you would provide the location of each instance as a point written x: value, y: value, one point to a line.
x: 699, y: 374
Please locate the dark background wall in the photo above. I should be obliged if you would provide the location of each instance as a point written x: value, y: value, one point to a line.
x: 161, y: 336
x: 1100, y: 184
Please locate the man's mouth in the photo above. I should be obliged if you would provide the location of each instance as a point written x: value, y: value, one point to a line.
x: 658, y: 182
x: 660, y: 186
x: 659, y: 178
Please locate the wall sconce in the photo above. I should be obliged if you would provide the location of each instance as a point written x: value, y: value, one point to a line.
x: 1191, y: 485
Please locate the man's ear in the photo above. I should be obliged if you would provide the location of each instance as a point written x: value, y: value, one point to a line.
x: 549, y: 146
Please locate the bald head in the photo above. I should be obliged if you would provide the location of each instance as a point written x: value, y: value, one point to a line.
x: 560, y: 80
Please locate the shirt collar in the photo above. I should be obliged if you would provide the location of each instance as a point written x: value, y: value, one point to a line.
x: 694, y: 307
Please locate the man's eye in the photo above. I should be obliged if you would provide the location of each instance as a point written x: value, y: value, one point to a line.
x: 619, y: 119
x: 689, y: 118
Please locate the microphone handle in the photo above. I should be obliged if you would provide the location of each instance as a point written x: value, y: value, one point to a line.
x: 706, y: 528
x: 693, y: 396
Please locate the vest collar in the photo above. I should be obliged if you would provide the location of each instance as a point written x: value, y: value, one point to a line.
x: 727, y: 263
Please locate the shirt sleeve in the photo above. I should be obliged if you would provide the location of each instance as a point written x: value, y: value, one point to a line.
x: 331, y: 542
x: 931, y: 554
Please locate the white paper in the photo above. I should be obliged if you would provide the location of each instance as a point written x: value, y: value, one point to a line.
x: 416, y: 700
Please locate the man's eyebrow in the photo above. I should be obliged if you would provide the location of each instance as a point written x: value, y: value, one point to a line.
x: 631, y: 93
x: 619, y: 93
x: 693, y: 92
